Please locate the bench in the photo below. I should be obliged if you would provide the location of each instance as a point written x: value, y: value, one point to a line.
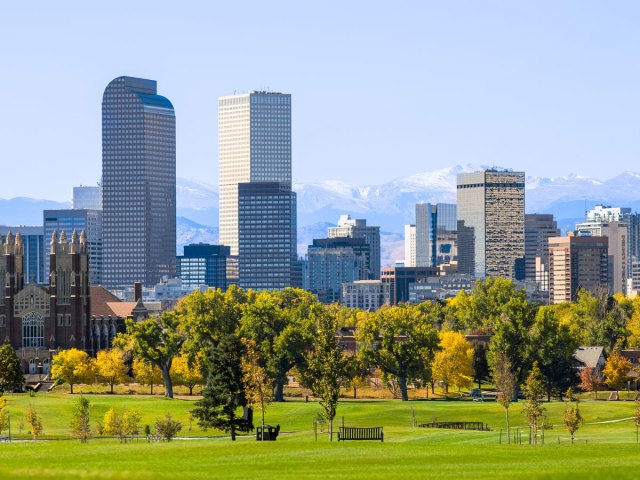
x: 457, y: 425
x: 359, y: 433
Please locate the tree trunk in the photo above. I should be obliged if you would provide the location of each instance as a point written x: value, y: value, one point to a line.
x: 168, y: 383
x: 402, y: 383
x: 596, y: 393
x: 71, y: 385
x: 433, y: 388
x: 190, y: 389
x: 233, y: 432
x: 151, y: 388
x: 331, y: 429
x: 262, y: 408
x: 355, y: 392
x: 279, y: 393
x: 572, y: 439
x: 506, y: 413
x: 479, y: 383
x: 111, y: 384
x: 446, y: 388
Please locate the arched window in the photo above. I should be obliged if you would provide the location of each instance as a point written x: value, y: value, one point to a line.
x: 33, y: 330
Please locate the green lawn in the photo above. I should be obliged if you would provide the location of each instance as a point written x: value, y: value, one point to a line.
x: 603, y: 449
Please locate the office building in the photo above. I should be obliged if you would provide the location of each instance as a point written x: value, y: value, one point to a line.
x: 367, y: 295
x: 254, y: 142
x: 491, y: 203
x: 434, y: 224
x: 577, y: 263
x: 138, y: 183
x: 33, y: 245
x: 331, y: 262
x: 400, y: 279
x: 267, y: 236
x: 89, y: 221
x: 203, y: 264
x: 538, y: 228
x: 87, y: 198
x: 616, y: 232
x: 440, y: 288
x: 357, y: 228
x: 409, y: 245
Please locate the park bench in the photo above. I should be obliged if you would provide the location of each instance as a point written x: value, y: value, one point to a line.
x: 457, y: 425
x: 361, y: 433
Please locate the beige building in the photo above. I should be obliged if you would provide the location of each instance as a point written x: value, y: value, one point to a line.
x: 577, y: 263
x: 409, y: 245
x: 254, y: 145
x: 491, y: 204
x: 368, y: 295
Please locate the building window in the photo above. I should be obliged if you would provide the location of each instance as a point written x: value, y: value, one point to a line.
x: 33, y: 330
x: 3, y: 321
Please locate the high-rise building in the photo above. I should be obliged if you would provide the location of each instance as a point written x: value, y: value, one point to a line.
x: 616, y: 232
x: 203, y: 264
x: 254, y: 145
x: 267, y: 236
x: 331, y: 262
x: 538, y: 228
x: 89, y: 221
x: 409, y: 245
x: 34, y: 252
x: 138, y: 183
x: 434, y: 224
x: 87, y: 198
x: 577, y: 263
x: 357, y: 228
x: 400, y: 280
x: 491, y: 202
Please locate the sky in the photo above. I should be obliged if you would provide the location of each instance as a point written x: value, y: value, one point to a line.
x: 380, y: 89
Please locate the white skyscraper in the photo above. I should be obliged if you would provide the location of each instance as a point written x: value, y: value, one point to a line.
x: 409, y: 245
x: 254, y: 138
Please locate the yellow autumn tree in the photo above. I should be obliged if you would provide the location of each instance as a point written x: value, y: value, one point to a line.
x: 453, y: 364
x: 186, y: 373
x: 110, y: 366
x: 616, y: 371
x: 146, y: 373
x: 72, y: 366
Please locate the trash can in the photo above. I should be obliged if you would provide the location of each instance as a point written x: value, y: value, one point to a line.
x: 267, y: 433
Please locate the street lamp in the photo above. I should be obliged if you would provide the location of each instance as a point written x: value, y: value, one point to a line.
x: 40, y: 367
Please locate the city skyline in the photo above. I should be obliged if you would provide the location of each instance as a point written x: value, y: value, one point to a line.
x: 481, y: 82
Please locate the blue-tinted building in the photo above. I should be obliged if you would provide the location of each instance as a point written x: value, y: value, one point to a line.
x: 138, y: 183
x: 34, y: 248
x: 204, y: 264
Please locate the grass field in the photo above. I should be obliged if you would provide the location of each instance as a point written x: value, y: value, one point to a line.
x: 605, y: 445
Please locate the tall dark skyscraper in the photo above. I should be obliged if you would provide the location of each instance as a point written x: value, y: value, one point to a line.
x: 138, y: 183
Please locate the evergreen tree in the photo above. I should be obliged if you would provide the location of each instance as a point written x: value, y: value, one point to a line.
x: 10, y: 373
x: 224, y: 392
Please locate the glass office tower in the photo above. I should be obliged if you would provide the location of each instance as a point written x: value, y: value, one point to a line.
x: 138, y: 183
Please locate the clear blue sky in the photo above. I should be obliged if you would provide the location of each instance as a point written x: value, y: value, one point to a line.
x: 380, y: 89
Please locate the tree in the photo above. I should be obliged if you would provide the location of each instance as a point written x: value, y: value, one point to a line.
x: 534, y: 390
x: 156, y: 340
x: 4, y: 415
x: 453, y: 363
x: 591, y: 380
x: 10, y: 372
x: 279, y: 324
x: 110, y: 366
x: 616, y: 371
x: 598, y: 319
x: 258, y: 385
x: 505, y: 383
x: 480, y: 363
x: 400, y: 342
x: 572, y: 418
x: 146, y: 373
x: 636, y: 418
x: 111, y: 423
x: 34, y: 421
x: 327, y: 368
x: 72, y: 366
x: 224, y: 392
x: 80, y: 424
x: 167, y: 427
x: 187, y: 372
x: 130, y: 424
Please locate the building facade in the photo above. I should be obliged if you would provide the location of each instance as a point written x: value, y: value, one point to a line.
x: 491, y: 203
x: 89, y: 221
x: 254, y: 145
x: 204, y: 264
x: 409, y: 245
x: 367, y: 295
x: 358, y: 228
x: 34, y: 253
x: 87, y: 198
x: 400, y: 279
x: 267, y: 236
x: 538, y: 228
x: 577, y: 263
x: 138, y: 183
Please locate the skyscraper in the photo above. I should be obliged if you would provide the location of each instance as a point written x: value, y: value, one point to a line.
x: 138, y: 183
x: 203, y: 264
x: 491, y: 202
x: 433, y: 224
x: 254, y: 141
x: 409, y: 245
x: 87, y: 198
x: 538, y: 228
x: 357, y: 228
x: 34, y: 252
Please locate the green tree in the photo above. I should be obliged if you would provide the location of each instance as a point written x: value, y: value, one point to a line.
x: 505, y: 383
x: 598, y: 320
x: 167, y: 427
x: 110, y: 366
x: 130, y: 424
x: 258, y: 385
x: 400, y: 341
x: 10, y: 372
x: 572, y: 417
x: 34, y: 421
x: 480, y: 363
x: 327, y: 369
x: 534, y: 390
x: 279, y: 324
x: 224, y: 392
x: 72, y: 366
x: 4, y: 415
x: 156, y: 340
x: 80, y: 423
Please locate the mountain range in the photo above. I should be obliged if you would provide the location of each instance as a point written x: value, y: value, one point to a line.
x: 389, y: 205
